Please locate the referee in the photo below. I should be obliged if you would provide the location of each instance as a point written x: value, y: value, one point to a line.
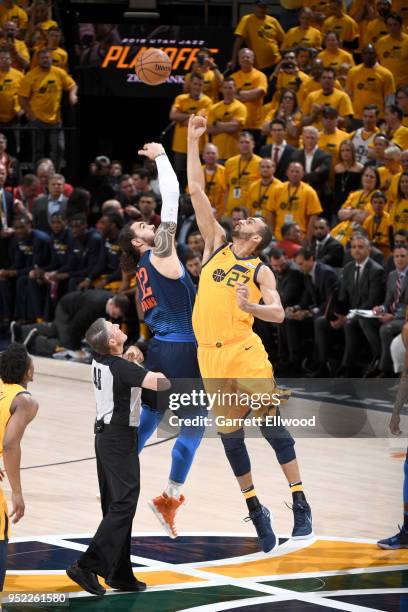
x: 117, y: 386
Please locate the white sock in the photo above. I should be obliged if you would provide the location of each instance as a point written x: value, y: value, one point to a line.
x: 174, y: 488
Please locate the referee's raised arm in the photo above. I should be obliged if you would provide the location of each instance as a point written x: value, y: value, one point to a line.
x: 117, y: 386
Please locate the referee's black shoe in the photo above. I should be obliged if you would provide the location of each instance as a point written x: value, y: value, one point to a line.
x: 135, y: 585
x: 85, y: 578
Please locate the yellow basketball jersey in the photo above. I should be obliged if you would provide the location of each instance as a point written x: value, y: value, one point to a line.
x: 7, y: 395
x: 217, y: 319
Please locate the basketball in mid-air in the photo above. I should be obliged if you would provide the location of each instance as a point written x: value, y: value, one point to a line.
x: 153, y: 66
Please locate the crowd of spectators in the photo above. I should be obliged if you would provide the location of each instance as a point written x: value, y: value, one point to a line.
x: 307, y: 128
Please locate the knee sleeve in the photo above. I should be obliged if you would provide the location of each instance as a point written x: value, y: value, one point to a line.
x: 281, y: 441
x: 236, y: 451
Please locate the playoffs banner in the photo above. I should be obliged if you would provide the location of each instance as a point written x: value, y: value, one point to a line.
x: 107, y: 54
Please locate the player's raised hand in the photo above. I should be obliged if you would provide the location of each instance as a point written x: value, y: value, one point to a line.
x: 242, y: 298
x: 134, y: 354
x: 18, y: 507
x: 197, y: 126
x: 152, y: 150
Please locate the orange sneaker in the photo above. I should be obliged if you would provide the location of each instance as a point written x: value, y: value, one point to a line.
x: 165, y: 508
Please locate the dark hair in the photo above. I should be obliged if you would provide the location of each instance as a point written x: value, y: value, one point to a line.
x: 278, y: 120
x: 240, y: 209
x: 129, y: 257
x: 142, y: 172
x: 23, y: 218
x: 122, y: 302
x: 126, y: 177
x: 196, y: 75
x: 370, y: 166
x: 78, y: 202
x: 400, y: 246
x: 247, y: 134
x: 395, y: 16
x: 58, y: 215
x: 400, y: 195
x: 393, y: 108
x: 194, y: 233
x: 266, y: 236
x: 44, y: 50
x: 28, y: 180
x: 14, y: 363
x: 379, y: 194
x: 148, y: 194
x: 306, y: 253
x: 97, y: 336
x: 323, y: 219
x: 328, y: 34
x: 286, y: 227
x: 79, y: 217
x: 329, y: 113
x: 114, y: 218
x: 276, y: 253
x: 330, y: 69
x: 190, y: 254
x: 373, y: 107
x: 401, y: 232
x: 294, y: 98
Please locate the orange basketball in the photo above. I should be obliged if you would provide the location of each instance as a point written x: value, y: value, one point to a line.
x: 153, y: 66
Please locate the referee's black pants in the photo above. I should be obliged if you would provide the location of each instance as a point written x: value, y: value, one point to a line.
x: 117, y: 463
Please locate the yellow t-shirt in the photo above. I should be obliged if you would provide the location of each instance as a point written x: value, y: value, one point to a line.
x: 375, y: 30
x: 288, y: 81
x: 47, y: 24
x: 218, y: 286
x: 294, y: 37
x: 263, y: 36
x: 15, y: 14
x: 210, y: 88
x: 309, y: 87
x: 186, y: 104
x: 399, y: 215
x: 393, y: 54
x: 59, y: 58
x: 260, y: 198
x: 9, y: 88
x: 331, y: 143
x: 7, y: 395
x: 400, y: 137
x: 369, y: 86
x: 44, y: 88
x: 338, y: 100
x: 239, y: 174
x: 227, y: 143
x: 345, y: 27
x: 22, y: 50
x: 334, y: 60
x: 343, y: 230
x: 392, y: 192
x: 247, y: 81
x: 386, y: 177
x: 359, y: 199
x: 295, y: 204
x: 215, y: 188
x: 378, y: 230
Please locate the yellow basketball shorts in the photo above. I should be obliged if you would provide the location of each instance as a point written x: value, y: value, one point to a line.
x: 240, y: 373
x: 4, y: 519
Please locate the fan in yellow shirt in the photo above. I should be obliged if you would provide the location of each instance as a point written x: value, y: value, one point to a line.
x: 59, y: 55
x: 328, y: 96
x: 41, y: 90
x: 288, y: 111
x: 261, y: 193
x: 395, y: 131
x: 10, y: 11
x: 314, y: 84
x: 399, y: 208
x: 369, y: 83
x: 341, y: 23
x: 261, y: 33
x: 205, y: 66
x: 251, y: 86
x: 392, y: 166
x: 226, y: 120
x: 214, y: 179
x: 401, y: 100
x: 10, y: 80
x: 304, y: 34
x: 357, y: 207
x: 185, y: 105
x: 287, y: 76
x: 20, y: 56
x: 330, y: 138
x: 333, y: 56
x: 392, y: 50
x: 392, y: 192
x: 295, y: 201
x: 240, y: 172
x: 378, y: 225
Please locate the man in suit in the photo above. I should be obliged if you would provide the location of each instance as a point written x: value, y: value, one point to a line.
x: 327, y: 249
x: 380, y: 332
x: 6, y: 218
x: 279, y: 151
x: 320, y: 285
x: 315, y: 161
x: 362, y: 287
x: 46, y: 205
x: 75, y: 312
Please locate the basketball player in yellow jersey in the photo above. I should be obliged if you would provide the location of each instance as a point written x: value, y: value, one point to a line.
x: 233, y: 281
x: 17, y: 409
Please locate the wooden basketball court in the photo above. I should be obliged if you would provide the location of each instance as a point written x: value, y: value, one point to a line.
x: 354, y: 486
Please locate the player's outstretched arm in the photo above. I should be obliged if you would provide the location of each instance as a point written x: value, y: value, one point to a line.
x: 210, y: 229
x: 156, y: 381
x: 24, y: 409
x: 271, y: 310
x: 164, y: 239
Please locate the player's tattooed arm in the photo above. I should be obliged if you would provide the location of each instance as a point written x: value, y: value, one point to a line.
x: 164, y: 239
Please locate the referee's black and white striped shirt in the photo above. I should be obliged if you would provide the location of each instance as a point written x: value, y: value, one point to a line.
x: 117, y: 387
